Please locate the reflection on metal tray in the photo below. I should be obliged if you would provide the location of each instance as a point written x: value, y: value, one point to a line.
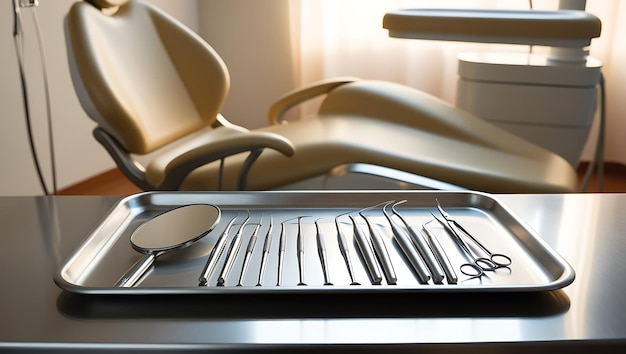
x: 288, y: 242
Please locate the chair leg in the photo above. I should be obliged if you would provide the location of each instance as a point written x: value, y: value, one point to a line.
x: 245, y: 168
x: 220, y: 177
x: 403, y: 180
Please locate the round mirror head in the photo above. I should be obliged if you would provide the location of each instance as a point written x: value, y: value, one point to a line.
x: 175, y: 228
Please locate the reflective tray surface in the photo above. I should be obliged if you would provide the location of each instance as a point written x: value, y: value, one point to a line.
x: 106, y: 254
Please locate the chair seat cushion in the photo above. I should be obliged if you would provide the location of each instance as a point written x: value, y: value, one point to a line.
x: 395, y: 126
x: 323, y: 144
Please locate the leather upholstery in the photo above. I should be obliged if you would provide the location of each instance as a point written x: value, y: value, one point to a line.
x: 105, y: 4
x: 157, y: 88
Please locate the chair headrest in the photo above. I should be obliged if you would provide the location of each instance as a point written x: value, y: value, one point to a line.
x: 106, y: 4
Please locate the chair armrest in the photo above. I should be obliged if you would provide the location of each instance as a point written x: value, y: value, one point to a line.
x: 295, y: 97
x: 228, y: 142
x: 129, y: 167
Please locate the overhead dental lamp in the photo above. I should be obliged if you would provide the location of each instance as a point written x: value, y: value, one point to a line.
x: 549, y: 99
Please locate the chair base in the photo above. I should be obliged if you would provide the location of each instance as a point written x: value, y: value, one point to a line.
x: 361, y: 176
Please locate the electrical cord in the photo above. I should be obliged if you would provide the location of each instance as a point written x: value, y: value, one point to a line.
x: 598, y: 159
x: 18, y: 40
x: 44, y: 69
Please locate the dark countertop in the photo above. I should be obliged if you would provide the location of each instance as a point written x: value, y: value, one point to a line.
x: 39, y: 233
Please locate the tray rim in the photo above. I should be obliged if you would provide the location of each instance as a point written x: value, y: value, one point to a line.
x: 130, y: 202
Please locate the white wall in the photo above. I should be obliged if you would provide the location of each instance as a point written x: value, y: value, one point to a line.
x: 78, y: 156
x: 253, y: 39
x: 251, y: 36
x: 264, y: 60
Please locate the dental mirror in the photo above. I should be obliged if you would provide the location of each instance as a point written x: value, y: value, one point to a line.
x: 168, y: 232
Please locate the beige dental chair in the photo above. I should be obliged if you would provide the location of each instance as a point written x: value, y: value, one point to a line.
x: 155, y: 88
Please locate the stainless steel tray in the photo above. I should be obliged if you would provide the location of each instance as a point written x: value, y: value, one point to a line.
x: 106, y: 254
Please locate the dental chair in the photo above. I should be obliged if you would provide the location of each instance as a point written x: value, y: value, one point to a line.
x: 155, y: 90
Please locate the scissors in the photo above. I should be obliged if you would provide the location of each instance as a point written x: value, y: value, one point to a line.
x: 478, y: 265
x: 497, y: 260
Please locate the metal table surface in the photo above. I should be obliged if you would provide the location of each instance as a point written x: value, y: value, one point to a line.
x: 38, y: 233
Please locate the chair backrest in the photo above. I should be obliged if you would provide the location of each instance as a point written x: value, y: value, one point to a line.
x: 140, y: 74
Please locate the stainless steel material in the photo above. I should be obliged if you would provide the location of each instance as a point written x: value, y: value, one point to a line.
x: 41, y: 233
x: 296, y: 258
x: 249, y: 250
x: 216, y: 253
x: 408, y: 249
x: 476, y: 265
x: 363, y: 176
x: 442, y: 258
x: 231, y: 255
x: 423, y: 249
x: 345, y: 250
x: 266, y: 250
x: 300, y: 252
x: 321, y: 250
x: 498, y: 260
x: 381, y: 252
x: 366, y: 252
x: 167, y: 232
x: 281, y: 251
x: 132, y: 276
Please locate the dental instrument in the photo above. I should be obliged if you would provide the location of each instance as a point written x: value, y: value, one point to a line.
x: 366, y: 251
x: 233, y: 250
x: 409, y: 250
x: 249, y: 250
x: 422, y: 247
x: 345, y: 250
x: 266, y: 250
x: 215, y: 254
x: 440, y: 254
x: 499, y: 260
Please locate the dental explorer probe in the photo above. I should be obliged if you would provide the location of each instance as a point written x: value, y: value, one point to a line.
x: 440, y: 253
x: 422, y: 247
x: 281, y: 251
x: 249, y: 249
x: 408, y: 249
x: 300, y: 250
x: 367, y: 253
x: 345, y: 250
x: 233, y: 250
x: 381, y: 251
x: 266, y: 250
x: 215, y: 254
x: 321, y: 251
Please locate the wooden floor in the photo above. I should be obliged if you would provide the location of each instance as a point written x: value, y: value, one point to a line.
x: 613, y: 181
x: 115, y: 184
x: 112, y: 182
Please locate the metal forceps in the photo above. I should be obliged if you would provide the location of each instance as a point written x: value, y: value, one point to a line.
x: 492, y: 262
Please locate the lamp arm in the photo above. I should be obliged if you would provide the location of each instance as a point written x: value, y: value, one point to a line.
x: 572, y: 5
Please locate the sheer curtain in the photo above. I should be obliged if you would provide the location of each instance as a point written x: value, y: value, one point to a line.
x: 333, y: 38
